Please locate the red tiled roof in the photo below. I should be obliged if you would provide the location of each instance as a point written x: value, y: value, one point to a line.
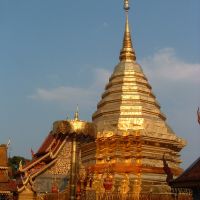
x: 58, y: 142
x: 42, y: 159
x: 52, y: 141
x: 47, y: 142
x: 190, y: 177
x: 31, y: 162
x: 42, y: 150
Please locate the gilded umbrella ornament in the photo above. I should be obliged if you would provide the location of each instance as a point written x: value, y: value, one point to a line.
x: 78, y: 131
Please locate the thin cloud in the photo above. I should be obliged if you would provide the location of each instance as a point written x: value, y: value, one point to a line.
x: 60, y: 94
x: 165, y: 65
x: 176, y: 85
x: 100, y: 78
x: 67, y: 94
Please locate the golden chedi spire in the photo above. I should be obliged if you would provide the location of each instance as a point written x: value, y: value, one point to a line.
x: 131, y: 128
x: 127, y: 52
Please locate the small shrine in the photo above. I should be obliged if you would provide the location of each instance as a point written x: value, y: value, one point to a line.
x: 190, y: 178
x: 8, y: 187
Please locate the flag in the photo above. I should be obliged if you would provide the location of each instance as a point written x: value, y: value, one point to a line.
x: 167, y: 170
x: 198, y: 115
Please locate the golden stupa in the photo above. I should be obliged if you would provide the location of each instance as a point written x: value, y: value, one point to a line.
x: 133, y: 136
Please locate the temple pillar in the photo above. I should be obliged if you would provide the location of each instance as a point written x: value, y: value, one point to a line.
x: 73, y: 175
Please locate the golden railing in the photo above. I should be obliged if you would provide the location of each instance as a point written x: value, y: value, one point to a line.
x: 132, y: 196
x: 91, y: 195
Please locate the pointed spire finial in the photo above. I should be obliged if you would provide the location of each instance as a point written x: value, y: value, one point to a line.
x: 127, y: 51
x: 76, y: 115
x: 126, y: 5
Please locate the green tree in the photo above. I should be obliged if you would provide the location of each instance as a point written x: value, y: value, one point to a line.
x: 14, y: 161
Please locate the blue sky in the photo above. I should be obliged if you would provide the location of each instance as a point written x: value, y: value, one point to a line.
x: 56, y: 54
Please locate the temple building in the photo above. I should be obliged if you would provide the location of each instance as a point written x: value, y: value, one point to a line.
x: 56, y: 161
x: 48, y: 170
x: 8, y: 187
x: 189, y: 179
x: 132, y: 132
x: 132, y: 136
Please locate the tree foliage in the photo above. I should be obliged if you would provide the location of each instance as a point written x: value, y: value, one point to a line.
x: 14, y: 161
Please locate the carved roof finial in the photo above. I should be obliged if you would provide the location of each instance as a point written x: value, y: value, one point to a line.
x: 20, y: 165
x: 76, y: 115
